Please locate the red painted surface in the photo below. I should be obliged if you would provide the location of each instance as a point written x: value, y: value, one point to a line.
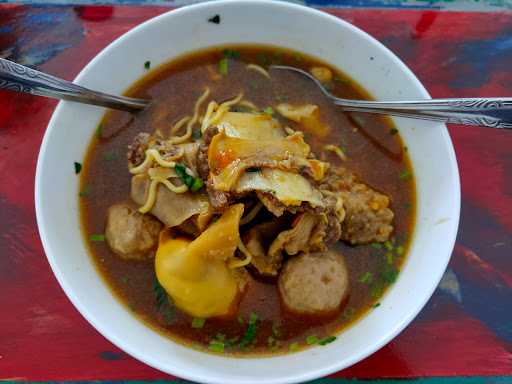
x: 466, y: 329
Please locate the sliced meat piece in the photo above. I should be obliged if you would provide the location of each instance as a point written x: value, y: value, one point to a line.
x: 130, y: 234
x: 170, y: 208
x: 314, y: 283
x: 258, y: 240
x: 368, y: 216
x: 137, y: 149
x: 306, y: 235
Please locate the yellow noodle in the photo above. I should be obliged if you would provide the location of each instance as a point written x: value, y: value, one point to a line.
x: 150, y: 201
x: 173, y: 188
x: 188, y: 133
x: 259, y: 69
x: 289, y: 131
x: 336, y: 150
x: 223, y: 108
x: 237, y: 263
x: 152, y: 155
x: 176, y: 127
x: 252, y: 214
x: 206, y: 119
x: 248, y: 104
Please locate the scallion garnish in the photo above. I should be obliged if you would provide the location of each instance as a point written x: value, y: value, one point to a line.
x: 97, y: 237
x: 197, y: 322
x: 312, y: 339
x: 366, y: 278
x: 405, y: 175
x: 250, y: 333
x: 327, y: 340
x: 294, y: 347
x: 223, y: 66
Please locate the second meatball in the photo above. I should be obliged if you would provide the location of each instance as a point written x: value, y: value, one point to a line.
x: 314, y: 282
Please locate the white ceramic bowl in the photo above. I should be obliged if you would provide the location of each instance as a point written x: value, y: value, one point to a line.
x: 252, y: 21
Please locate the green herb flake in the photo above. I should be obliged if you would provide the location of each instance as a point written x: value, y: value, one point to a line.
x: 160, y: 294
x: 250, y: 333
x: 389, y: 257
x: 197, y: 323
x: 399, y: 250
x: 125, y: 279
x: 147, y: 65
x: 388, y: 245
x: 268, y: 111
x: 216, y: 346
x: 86, y: 191
x: 196, y: 134
x: 97, y: 237
x: 231, y: 54
x: 109, y: 156
x: 348, y: 313
x: 393, y: 131
x: 405, y: 148
x: 197, y: 184
x: 408, y: 205
x: 241, y: 319
x: 327, y: 340
x: 78, y: 168
x: 252, y: 169
x: 390, y: 274
x: 366, y: 278
x: 405, y: 175
x: 376, y: 305
x: 294, y: 347
x: 99, y: 131
x: 376, y: 290
x: 298, y: 57
x: 376, y: 245
x: 312, y: 339
x: 223, y: 66
x: 232, y: 341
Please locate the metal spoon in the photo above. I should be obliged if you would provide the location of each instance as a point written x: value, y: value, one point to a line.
x: 487, y: 112
x: 18, y: 78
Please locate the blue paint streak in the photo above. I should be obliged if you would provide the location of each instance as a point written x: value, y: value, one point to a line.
x: 477, y: 59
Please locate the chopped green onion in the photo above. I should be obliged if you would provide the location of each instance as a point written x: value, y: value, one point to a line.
x: 125, y: 279
x: 312, y: 339
x: 389, y: 257
x: 408, y: 205
x: 109, y: 156
x: 223, y: 66
x: 298, y: 57
x: 388, y: 245
x: 230, y: 54
x: 197, y: 322
x: 366, y: 278
x: 399, y: 250
x: 232, y: 342
x: 268, y: 111
x: 327, y: 340
x: 405, y: 175
x: 241, y: 319
x: 377, y: 290
x: 160, y: 294
x: 86, y: 191
x: 196, y: 134
x: 294, y: 347
x: 250, y: 333
x: 376, y: 305
x: 390, y: 274
x: 348, y: 313
x: 393, y: 131
x: 276, y: 332
x: 99, y: 131
x: 197, y: 184
x: 147, y: 65
x: 78, y: 168
x: 216, y: 346
x: 252, y: 169
x: 97, y: 237
x: 376, y: 245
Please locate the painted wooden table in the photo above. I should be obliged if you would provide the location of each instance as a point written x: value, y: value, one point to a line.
x: 466, y: 328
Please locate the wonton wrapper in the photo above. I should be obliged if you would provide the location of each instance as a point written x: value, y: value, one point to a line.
x: 196, y: 274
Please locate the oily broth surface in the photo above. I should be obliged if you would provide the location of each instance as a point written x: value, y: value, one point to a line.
x: 375, y: 154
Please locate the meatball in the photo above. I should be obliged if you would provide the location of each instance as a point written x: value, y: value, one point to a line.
x: 314, y: 283
x: 130, y: 234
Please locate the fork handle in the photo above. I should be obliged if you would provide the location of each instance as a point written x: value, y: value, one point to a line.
x: 18, y: 78
x: 488, y: 112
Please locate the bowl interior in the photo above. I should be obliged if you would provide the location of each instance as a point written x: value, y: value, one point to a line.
x: 262, y: 22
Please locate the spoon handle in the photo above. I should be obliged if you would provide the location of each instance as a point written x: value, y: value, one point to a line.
x: 18, y: 78
x: 487, y: 112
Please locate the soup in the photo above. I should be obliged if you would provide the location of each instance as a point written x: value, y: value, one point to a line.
x: 242, y: 212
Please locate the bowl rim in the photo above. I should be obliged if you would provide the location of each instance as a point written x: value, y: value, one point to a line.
x: 190, y: 375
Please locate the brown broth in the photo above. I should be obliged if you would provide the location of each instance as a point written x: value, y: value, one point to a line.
x: 376, y: 154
